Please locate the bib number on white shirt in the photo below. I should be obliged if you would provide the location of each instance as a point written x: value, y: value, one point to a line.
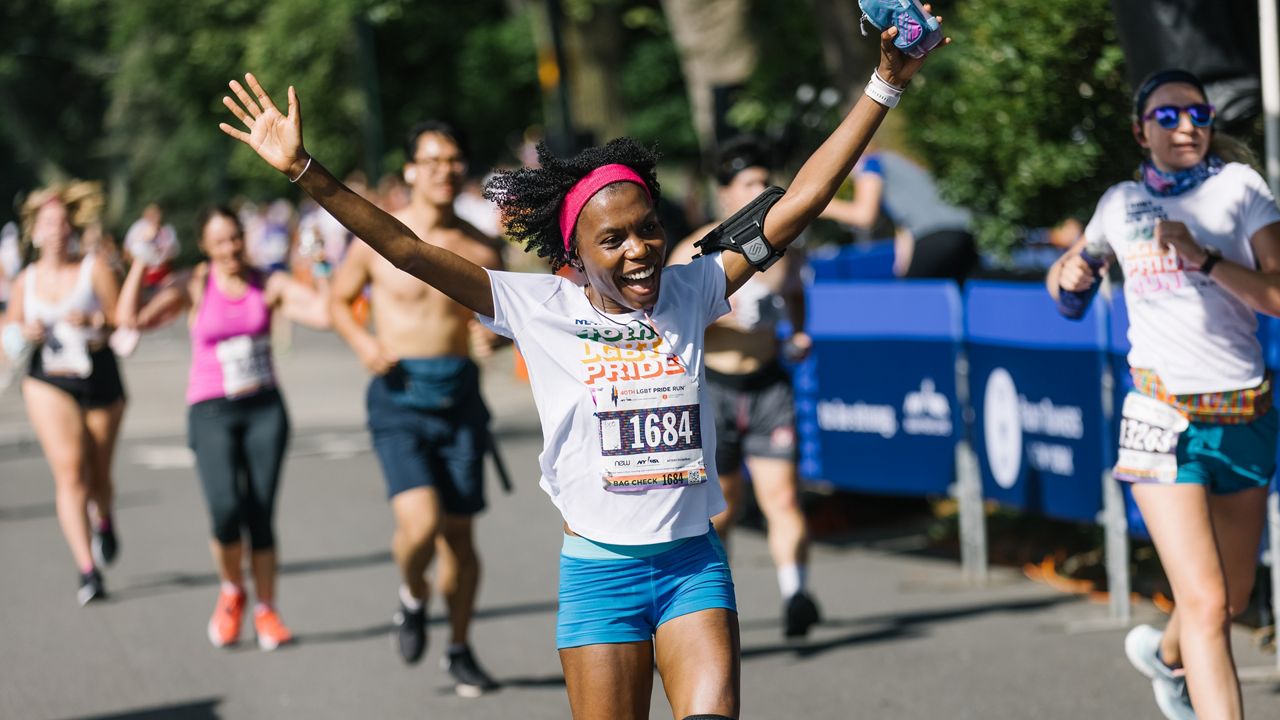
x: 1148, y: 444
x: 651, y: 434
x: 246, y: 364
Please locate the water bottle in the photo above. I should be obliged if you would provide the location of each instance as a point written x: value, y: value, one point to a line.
x: 1072, y: 305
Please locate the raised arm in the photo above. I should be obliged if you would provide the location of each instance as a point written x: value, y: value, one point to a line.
x: 299, y: 301
x: 860, y: 212
x: 107, y: 288
x: 166, y: 305
x: 821, y: 175
x: 277, y: 138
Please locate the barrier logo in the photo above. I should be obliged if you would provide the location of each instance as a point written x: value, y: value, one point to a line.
x: 1002, y: 428
x: 837, y: 416
x: 926, y: 411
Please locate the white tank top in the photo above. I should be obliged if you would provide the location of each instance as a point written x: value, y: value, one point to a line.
x: 82, y: 298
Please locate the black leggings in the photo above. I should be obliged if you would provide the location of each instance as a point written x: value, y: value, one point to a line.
x: 239, y: 446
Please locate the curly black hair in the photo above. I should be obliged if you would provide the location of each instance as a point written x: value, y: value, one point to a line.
x: 530, y: 198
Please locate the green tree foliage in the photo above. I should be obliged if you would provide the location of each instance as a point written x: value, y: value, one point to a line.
x: 469, y: 63
x: 1025, y: 119
x: 52, y: 98
x: 790, y: 58
x: 130, y: 91
x: 653, y: 86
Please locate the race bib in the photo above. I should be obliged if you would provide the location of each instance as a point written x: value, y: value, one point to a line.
x: 246, y: 364
x: 1149, y: 433
x: 66, y: 352
x: 651, y: 434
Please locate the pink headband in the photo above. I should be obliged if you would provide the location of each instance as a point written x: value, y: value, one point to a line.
x: 587, y: 187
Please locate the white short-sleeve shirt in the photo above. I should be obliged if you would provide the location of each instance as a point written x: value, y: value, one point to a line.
x: 1197, y: 336
x: 581, y: 361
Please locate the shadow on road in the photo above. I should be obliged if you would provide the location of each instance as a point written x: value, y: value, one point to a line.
x: 900, y: 626
x: 549, y: 681
x: 41, y: 511
x: 158, y: 583
x: 340, y: 636
x: 488, y: 613
x: 192, y: 710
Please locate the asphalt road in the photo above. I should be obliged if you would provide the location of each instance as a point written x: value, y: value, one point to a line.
x: 903, y: 637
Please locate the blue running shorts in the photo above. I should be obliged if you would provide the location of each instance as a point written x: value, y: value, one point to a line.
x: 622, y: 593
x: 1229, y: 458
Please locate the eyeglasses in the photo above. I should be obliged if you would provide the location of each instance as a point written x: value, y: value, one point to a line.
x: 1167, y: 116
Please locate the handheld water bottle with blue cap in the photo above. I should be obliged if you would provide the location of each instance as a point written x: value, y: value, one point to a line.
x: 918, y: 31
x: 1073, y: 304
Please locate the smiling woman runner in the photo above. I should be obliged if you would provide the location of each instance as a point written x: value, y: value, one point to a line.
x: 616, y: 368
x: 237, y: 424
x: 1198, y: 238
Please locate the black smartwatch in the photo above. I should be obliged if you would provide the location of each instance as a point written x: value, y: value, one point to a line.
x: 1211, y: 258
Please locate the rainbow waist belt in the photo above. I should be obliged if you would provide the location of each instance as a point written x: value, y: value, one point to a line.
x: 1230, y: 407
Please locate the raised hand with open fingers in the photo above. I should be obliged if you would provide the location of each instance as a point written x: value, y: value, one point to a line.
x: 277, y: 138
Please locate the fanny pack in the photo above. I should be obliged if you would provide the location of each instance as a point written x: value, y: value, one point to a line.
x: 433, y: 383
x: 1230, y: 407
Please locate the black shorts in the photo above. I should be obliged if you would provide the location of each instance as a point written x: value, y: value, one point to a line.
x: 755, y: 416
x: 443, y: 449
x: 944, y: 254
x: 101, y: 389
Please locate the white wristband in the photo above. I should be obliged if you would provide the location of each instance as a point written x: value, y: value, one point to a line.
x: 305, y: 168
x: 882, y: 92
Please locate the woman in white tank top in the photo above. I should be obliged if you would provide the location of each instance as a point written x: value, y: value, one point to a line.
x: 59, y: 316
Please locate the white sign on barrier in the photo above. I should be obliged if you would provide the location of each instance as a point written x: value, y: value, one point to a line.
x: 1002, y: 428
x: 926, y: 411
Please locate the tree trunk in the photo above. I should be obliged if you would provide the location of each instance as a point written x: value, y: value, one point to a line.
x: 848, y: 56
x: 716, y: 49
x: 593, y: 53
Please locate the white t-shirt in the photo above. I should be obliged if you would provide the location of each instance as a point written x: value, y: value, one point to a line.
x: 1195, y: 335
x: 619, y: 398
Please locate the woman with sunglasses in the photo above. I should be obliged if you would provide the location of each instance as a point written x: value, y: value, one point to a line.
x: 616, y: 367
x: 1198, y: 239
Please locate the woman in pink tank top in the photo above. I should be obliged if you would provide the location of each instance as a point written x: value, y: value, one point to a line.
x: 236, y: 420
x: 57, y: 321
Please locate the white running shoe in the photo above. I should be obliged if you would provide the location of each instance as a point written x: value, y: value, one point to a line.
x: 1142, y: 647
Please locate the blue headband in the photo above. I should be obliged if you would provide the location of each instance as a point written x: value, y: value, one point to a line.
x: 1158, y: 78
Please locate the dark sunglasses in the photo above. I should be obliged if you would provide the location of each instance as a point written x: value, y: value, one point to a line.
x: 1167, y: 116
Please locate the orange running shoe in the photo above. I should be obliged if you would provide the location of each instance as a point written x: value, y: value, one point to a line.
x: 271, y: 630
x: 224, y: 626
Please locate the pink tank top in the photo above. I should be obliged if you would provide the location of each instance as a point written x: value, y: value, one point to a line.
x: 230, y: 344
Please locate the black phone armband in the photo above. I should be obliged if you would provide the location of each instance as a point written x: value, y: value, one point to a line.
x: 744, y: 232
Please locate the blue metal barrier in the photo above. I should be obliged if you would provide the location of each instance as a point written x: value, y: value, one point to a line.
x: 876, y: 400
x: 864, y: 261
x: 1040, y: 435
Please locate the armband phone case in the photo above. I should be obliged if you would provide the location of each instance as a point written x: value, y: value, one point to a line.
x: 744, y: 232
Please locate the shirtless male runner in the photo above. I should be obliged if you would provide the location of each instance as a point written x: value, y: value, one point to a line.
x: 427, y: 420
